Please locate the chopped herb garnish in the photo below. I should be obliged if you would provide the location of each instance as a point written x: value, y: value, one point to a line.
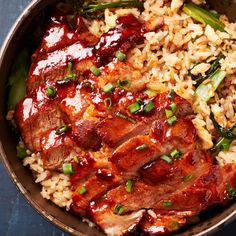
x: 108, y: 103
x: 173, y: 226
x: 175, y: 153
x: 69, y: 67
x: 128, y: 186
x: 123, y: 83
x: 169, y: 113
x: 21, y: 152
x: 171, y: 94
x: 142, y: 147
x: 166, y: 203
x: 67, y: 168
x: 69, y: 77
x: 120, y: 115
x: 82, y: 190
x: 203, y: 16
x: 226, y: 133
x: 134, y: 107
x: 96, y: 71
x: 87, y: 85
x: 118, y: 209
x: 187, y: 177
x: 173, y: 106
x: 166, y: 159
x: 61, y: 129
x: 150, y: 93
x: 148, y: 107
x: 76, y: 159
x: 231, y: 191
x: 171, y: 120
x: 120, y: 55
x: 50, y: 91
x: 108, y: 88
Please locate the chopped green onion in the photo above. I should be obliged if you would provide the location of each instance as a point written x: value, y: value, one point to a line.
x: 68, y: 77
x: 150, y: 93
x: 118, y: 209
x: 134, y: 107
x: 108, y: 103
x: 120, y: 115
x: 69, y: 67
x: 173, y: 226
x: 175, y: 153
x: 173, y: 106
x: 171, y: 120
x: 128, y: 186
x: 96, y: 71
x: 171, y: 94
x: 139, y: 101
x: 226, y: 133
x: 61, y: 129
x: 82, y: 190
x: 122, y: 83
x: 149, y: 107
x: 50, y: 92
x: 231, y: 191
x: 67, y: 168
x: 76, y: 159
x: 120, y: 55
x: 166, y: 159
x: 87, y: 85
x: 142, y: 147
x: 166, y: 203
x: 21, y: 152
x: 169, y: 113
x: 187, y: 177
x: 225, y: 144
x: 108, y: 88
x: 203, y: 16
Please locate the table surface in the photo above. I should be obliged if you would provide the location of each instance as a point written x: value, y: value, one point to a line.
x: 17, y: 217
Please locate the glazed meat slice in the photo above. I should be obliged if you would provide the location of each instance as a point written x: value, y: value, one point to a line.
x: 207, y: 190
x: 58, y: 148
x: 54, y: 66
x: 143, y: 194
x: 108, y: 128
x: 38, y: 113
x: 128, y: 157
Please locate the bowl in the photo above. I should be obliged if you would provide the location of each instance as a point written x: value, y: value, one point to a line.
x: 210, y: 222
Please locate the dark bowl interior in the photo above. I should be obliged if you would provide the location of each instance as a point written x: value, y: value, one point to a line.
x: 22, y: 177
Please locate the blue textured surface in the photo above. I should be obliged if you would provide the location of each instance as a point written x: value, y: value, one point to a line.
x: 17, y: 218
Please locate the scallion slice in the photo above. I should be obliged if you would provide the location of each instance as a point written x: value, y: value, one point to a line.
x: 175, y: 153
x: 148, y: 107
x: 50, y: 91
x: 69, y: 77
x: 61, y: 129
x: 231, y: 191
x: 82, y: 190
x: 120, y: 115
x: 171, y: 120
x: 169, y: 113
x: 108, y: 88
x: 96, y: 71
x: 21, y: 152
x: 118, y: 209
x: 128, y: 186
x: 151, y: 93
x: 120, y: 55
x: 166, y: 159
x: 173, y: 226
x: 142, y: 147
x: 173, y: 106
x: 123, y: 83
x: 87, y: 85
x: 187, y: 177
x: 134, y: 107
x: 166, y: 203
x: 67, y: 168
x: 108, y: 103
